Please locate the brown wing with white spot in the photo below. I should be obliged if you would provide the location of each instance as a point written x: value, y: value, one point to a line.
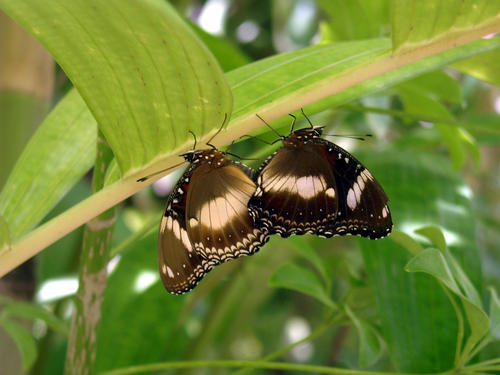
x: 363, y: 208
x: 180, y: 266
x: 296, y: 193
x: 217, y: 218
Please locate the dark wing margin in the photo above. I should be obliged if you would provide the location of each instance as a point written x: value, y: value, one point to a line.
x: 180, y: 266
x: 363, y: 208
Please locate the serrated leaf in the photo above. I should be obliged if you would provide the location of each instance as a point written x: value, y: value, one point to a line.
x: 24, y: 341
x: 370, y: 343
x: 140, y: 69
x: 417, y: 22
x: 29, y: 311
x: 435, y: 235
x: 294, y: 277
x: 494, y: 314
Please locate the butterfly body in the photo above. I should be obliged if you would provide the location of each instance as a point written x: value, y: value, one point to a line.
x: 206, y: 221
x: 311, y: 185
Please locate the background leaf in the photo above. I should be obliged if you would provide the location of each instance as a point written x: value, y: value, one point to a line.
x: 292, y: 276
x: 60, y: 152
x: 416, y: 315
x: 139, y: 55
x: 25, y: 342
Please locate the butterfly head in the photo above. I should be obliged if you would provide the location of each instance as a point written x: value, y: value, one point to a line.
x: 302, y: 136
x: 212, y: 157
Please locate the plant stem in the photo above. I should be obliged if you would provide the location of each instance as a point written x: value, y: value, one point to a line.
x: 416, y: 117
x: 460, y: 318
x: 316, y: 332
x: 253, y: 364
x: 81, y: 352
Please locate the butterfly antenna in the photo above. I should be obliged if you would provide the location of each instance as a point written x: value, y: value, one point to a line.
x: 269, y: 126
x: 257, y: 138
x: 293, y: 122
x: 142, y: 179
x: 357, y: 137
x: 218, y: 131
x: 194, y: 136
x: 307, y: 118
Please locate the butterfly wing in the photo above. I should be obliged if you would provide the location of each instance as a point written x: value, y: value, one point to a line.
x: 296, y: 193
x: 362, y: 206
x: 218, y: 222
x: 181, y: 267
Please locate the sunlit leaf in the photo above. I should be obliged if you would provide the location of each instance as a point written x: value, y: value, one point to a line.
x: 59, y: 154
x: 435, y: 235
x: 417, y: 22
x: 139, y: 68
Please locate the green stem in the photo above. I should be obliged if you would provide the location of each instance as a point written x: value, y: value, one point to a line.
x: 416, y: 117
x: 278, y: 353
x: 253, y: 364
x: 460, y: 318
x: 96, y: 247
x: 484, y: 368
x: 479, y: 347
x: 482, y: 364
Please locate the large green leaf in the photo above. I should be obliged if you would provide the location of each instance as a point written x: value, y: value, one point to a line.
x: 419, y: 22
x: 418, y: 321
x: 272, y: 88
x: 139, y: 68
x: 57, y: 156
x: 433, y: 262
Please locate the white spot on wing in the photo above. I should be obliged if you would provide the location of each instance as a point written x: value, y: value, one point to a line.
x: 330, y: 192
x: 351, y: 199
x: 385, y: 211
x: 170, y: 273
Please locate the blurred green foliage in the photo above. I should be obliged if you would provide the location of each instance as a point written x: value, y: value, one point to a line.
x: 368, y: 305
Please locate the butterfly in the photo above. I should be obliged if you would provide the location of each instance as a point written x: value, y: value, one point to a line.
x: 206, y: 220
x: 311, y: 185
